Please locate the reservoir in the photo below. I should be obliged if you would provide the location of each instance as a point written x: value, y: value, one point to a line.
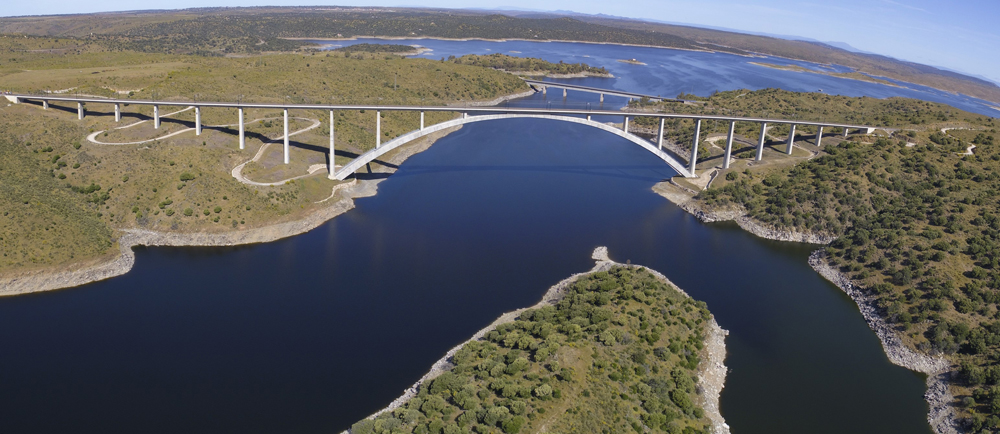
x: 312, y: 333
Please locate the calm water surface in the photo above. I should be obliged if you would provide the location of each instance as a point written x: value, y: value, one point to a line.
x: 309, y: 334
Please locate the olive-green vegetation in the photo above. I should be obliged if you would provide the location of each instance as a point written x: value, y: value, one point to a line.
x: 917, y: 222
x: 527, y: 65
x: 618, y: 354
x: 377, y: 48
x: 184, y: 183
x: 217, y: 31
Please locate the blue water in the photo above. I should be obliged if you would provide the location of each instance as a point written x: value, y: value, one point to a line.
x: 668, y: 72
x: 311, y: 333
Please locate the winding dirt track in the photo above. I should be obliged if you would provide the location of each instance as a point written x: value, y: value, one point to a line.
x: 238, y: 170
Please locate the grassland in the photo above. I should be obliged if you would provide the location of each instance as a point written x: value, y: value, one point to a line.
x: 81, y: 195
x: 618, y: 353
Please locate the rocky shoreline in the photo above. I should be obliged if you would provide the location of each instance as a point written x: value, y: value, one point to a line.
x: 941, y: 415
x: 48, y: 281
x: 712, y: 372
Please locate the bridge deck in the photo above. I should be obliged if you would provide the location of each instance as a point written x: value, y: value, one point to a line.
x: 477, y: 109
x: 597, y: 90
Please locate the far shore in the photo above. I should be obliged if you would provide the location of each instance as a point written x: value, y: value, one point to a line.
x: 711, y: 372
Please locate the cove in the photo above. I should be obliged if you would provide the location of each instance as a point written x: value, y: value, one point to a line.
x: 310, y: 334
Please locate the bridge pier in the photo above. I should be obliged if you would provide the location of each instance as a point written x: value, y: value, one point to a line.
x: 421, y: 121
x: 791, y: 139
x: 286, y: 135
x: 332, y: 153
x: 378, y: 128
x: 588, y: 118
x: 760, y: 142
x: 694, y: 147
x: 79, y: 111
x: 118, y: 112
x: 659, y: 136
x: 197, y: 121
x: 243, y: 141
x: 845, y: 132
x: 819, y: 136
x: 565, y: 93
x: 156, y: 116
x: 45, y: 104
x: 545, y: 90
x: 625, y: 125
x: 602, y: 98
x: 729, y: 144
x: 465, y: 115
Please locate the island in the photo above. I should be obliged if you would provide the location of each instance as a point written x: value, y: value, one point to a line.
x: 617, y: 348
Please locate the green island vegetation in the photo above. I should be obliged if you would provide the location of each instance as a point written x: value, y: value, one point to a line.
x: 914, y: 212
x: 226, y: 31
x: 619, y: 353
x: 528, y: 65
x: 66, y: 200
x: 377, y: 48
x: 851, y: 75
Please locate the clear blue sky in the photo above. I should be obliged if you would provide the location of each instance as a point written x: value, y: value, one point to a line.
x: 958, y: 34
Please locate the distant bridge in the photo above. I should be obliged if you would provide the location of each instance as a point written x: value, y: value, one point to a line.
x: 542, y: 86
x: 468, y: 115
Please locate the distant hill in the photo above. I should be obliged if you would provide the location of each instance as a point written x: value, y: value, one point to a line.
x: 248, y: 30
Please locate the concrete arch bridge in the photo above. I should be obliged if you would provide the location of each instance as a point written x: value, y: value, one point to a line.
x: 468, y: 115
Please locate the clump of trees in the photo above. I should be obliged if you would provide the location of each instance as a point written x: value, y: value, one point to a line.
x: 618, y: 352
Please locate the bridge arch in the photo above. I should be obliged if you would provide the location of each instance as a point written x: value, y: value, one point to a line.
x: 373, y: 154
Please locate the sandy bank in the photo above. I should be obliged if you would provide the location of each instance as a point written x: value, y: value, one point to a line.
x: 712, y: 371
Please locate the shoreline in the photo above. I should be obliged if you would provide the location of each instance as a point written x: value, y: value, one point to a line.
x: 712, y: 371
x: 110, y: 265
x: 941, y: 414
x: 749, y: 54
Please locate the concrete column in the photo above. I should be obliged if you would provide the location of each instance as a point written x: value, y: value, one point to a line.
x: 588, y: 117
x: 545, y: 90
x: 243, y: 141
x: 819, y: 137
x: 845, y: 132
x: 625, y: 125
x: 602, y: 98
x: 729, y: 145
x: 79, y: 110
x: 286, y: 136
x: 156, y: 116
x: 118, y: 112
x: 45, y: 104
x: 332, y: 153
x: 760, y: 142
x: 694, y: 146
x: 378, y: 128
x: 197, y: 121
x: 791, y: 139
x: 465, y: 115
x: 659, y: 136
x: 565, y: 93
x: 421, y: 121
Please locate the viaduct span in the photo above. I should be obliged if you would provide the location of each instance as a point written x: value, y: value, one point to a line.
x: 468, y: 115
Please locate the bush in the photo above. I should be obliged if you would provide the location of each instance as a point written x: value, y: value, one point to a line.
x: 186, y: 177
x: 732, y: 176
x: 217, y: 209
x: 188, y: 212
